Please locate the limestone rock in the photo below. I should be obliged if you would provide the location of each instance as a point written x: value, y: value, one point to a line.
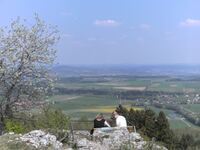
x: 112, y: 139
x: 38, y: 138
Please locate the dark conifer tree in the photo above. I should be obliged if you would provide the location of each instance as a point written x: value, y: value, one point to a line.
x: 163, y: 131
x: 122, y: 111
x: 131, y: 117
x: 150, y: 118
x: 186, y: 141
x: 140, y: 119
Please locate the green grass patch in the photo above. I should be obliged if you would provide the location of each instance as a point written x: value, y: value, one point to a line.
x: 193, y: 107
x: 175, y: 120
x: 87, y: 105
x: 175, y: 86
x: 177, y: 124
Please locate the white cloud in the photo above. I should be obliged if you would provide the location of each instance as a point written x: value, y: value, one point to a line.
x: 65, y: 13
x: 92, y: 39
x: 145, y: 26
x: 168, y: 33
x: 106, y: 23
x: 140, y: 39
x: 65, y: 35
x: 190, y: 23
x: 169, y: 36
x: 124, y: 36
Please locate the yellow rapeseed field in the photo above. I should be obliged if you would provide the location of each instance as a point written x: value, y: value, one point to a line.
x: 107, y: 109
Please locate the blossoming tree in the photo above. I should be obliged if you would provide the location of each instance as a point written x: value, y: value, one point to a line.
x: 27, y: 53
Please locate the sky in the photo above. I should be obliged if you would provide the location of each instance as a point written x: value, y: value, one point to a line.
x: 117, y: 31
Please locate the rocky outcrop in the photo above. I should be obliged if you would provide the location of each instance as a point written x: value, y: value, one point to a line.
x: 38, y: 139
x: 113, y: 139
x: 102, y: 139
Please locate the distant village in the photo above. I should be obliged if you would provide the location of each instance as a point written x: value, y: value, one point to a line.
x: 176, y: 103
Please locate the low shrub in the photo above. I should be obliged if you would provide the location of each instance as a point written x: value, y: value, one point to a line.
x: 50, y: 118
x: 14, y: 126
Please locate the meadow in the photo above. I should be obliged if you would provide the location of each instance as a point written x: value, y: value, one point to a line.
x: 176, y: 121
x: 193, y: 107
x: 166, y: 84
x: 88, y: 105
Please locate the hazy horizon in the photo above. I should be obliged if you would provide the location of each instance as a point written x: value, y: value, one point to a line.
x: 113, y: 64
x: 117, y: 32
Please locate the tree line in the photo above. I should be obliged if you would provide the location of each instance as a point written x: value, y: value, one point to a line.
x: 148, y: 123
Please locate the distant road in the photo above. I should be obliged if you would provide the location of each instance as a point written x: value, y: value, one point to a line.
x: 74, y: 97
x: 182, y: 119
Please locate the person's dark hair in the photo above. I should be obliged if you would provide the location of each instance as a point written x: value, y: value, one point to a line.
x: 99, y: 116
x: 115, y: 113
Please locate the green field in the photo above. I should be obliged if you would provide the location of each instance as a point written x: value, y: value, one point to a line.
x: 151, y: 84
x: 88, y: 105
x: 176, y: 86
x: 193, y: 107
x: 175, y: 120
x: 177, y: 124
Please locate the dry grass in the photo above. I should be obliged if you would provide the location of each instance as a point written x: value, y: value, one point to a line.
x: 112, y: 84
x: 188, y: 90
x: 131, y: 88
x: 12, y: 142
x: 106, y: 109
x: 155, y: 85
x: 65, y: 97
x: 173, y: 85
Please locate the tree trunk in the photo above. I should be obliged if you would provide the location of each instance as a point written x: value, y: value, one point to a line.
x: 8, y: 111
x: 2, y: 124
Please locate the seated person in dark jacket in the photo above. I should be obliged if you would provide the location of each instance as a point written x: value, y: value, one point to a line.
x: 99, y: 122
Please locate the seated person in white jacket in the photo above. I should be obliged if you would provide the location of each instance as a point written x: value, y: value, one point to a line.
x: 120, y: 120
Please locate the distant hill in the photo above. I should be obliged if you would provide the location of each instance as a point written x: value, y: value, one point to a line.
x: 137, y: 70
